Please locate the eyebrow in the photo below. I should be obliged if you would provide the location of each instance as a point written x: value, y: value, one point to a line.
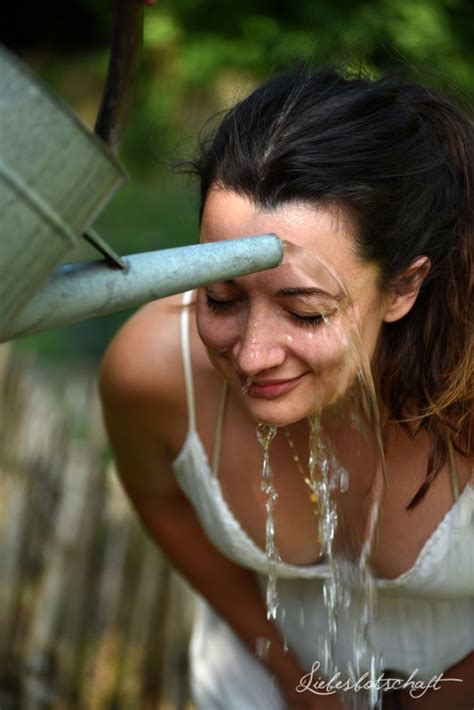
x: 307, y: 291
x: 299, y: 291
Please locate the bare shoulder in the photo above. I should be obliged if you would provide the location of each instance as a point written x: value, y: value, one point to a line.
x: 142, y: 379
x: 142, y: 388
x: 143, y: 361
x: 142, y: 391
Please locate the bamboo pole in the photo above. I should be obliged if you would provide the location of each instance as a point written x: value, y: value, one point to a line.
x: 91, y: 617
x: 104, y: 662
x: 51, y: 595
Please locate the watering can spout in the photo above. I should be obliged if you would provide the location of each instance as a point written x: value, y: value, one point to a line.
x: 56, y: 177
x: 78, y: 291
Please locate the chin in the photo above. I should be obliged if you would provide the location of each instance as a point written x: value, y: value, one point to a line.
x: 275, y: 413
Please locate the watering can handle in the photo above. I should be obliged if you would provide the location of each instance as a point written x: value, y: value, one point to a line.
x: 122, y: 73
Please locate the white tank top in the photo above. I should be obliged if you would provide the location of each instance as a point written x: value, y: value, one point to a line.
x: 426, y: 615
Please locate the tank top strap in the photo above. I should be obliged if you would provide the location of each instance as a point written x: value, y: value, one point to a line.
x: 186, y: 358
x: 216, y: 454
x: 452, y: 472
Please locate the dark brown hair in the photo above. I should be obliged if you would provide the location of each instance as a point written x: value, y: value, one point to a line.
x: 401, y: 158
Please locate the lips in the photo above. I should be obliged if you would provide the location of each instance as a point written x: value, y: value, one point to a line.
x: 269, y: 389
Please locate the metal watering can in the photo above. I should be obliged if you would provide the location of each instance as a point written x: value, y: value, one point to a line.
x: 56, y: 177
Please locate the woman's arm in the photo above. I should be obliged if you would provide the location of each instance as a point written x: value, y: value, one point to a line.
x: 455, y: 695
x: 230, y: 589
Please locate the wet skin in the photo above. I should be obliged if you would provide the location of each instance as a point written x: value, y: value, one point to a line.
x: 258, y: 333
x: 280, y: 337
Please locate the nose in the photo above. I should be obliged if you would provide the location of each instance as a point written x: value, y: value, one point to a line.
x: 259, y: 346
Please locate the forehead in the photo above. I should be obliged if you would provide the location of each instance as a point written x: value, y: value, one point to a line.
x: 324, y: 231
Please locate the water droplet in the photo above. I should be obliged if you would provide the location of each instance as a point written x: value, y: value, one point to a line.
x: 262, y: 647
x: 245, y: 387
x: 343, y: 480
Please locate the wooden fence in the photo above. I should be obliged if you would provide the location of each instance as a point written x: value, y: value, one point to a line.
x: 91, y: 616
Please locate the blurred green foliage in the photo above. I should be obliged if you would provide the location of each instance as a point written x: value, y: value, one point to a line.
x: 199, y: 57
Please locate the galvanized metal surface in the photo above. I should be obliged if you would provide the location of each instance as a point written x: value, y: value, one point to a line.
x: 55, y: 178
x: 80, y: 291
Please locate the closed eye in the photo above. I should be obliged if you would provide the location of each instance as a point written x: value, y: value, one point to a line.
x: 219, y: 306
x: 309, y: 321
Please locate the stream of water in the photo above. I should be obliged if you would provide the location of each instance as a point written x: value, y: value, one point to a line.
x: 337, y: 467
x: 349, y: 592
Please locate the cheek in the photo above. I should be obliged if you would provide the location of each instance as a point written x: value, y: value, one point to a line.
x: 369, y: 325
x: 333, y: 357
x: 322, y: 349
x: 217, y: 334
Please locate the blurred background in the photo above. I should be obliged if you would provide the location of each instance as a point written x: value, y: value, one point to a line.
x: 90, y: 614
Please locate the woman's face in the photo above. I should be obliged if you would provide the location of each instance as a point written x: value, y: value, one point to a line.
x: 284, y: 338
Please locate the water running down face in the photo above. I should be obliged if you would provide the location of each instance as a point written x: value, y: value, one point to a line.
x: 281, y: 337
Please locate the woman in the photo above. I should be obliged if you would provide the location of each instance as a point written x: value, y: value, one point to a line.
x: 374, y: 180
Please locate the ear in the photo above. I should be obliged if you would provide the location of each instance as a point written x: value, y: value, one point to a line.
x: 405, y: 289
